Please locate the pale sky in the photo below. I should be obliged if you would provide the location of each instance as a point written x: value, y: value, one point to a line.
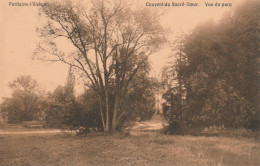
x: 18, y: 39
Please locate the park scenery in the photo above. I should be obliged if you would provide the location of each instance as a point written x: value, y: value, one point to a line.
x: 115, y: 82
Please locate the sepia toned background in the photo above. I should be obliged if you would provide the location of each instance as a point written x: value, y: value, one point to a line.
x: 18, y: 39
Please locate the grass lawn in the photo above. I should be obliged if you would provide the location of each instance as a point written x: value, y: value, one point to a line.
x: 127, y: 150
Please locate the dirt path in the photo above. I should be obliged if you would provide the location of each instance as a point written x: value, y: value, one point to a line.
x: 151, y: 126
x: 50, y: 131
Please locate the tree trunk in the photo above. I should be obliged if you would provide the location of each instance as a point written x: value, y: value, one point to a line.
x: 107, y: 111
x: 114, y: 121
x: 101, y: 112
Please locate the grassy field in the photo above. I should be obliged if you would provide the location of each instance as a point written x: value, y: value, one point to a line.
x: 127, y: 150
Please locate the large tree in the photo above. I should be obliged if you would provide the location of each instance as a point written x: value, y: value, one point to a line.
x: 111, y: 44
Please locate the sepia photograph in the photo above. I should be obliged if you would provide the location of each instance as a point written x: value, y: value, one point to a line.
x: 130, y: 83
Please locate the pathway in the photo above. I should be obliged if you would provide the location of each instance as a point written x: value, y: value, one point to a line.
x: 148, y: 127
x: 152, y: 126
x: 44, y: 131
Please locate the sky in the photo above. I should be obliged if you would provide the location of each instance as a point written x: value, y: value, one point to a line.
x: 18, y: 38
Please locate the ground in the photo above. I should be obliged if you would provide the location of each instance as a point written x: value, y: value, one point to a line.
x: 152, y: 149
x: 144, y: 146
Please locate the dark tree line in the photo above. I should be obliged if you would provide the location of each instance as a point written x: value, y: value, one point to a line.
x: 62, y: 108
x: 66, y: 110
x: 215, y: 76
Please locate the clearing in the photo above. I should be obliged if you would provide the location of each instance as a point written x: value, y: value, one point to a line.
x: 156, y: 149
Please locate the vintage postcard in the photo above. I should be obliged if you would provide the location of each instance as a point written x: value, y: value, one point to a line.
x: 129, y: 82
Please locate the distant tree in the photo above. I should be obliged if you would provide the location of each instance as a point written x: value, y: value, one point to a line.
x: 140, y: 100
x: 3, y: 117
x: 173, y: 81
x: 24, y: 103
x: 112, y: 42
x: 62, y: 103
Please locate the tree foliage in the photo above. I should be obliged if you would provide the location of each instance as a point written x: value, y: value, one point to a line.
x: 221, y: 74
x: 65, y: 110
x: 62, y: 104
x: 25, y: 103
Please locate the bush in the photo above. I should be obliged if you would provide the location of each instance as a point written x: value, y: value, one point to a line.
x: 86, y: 131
